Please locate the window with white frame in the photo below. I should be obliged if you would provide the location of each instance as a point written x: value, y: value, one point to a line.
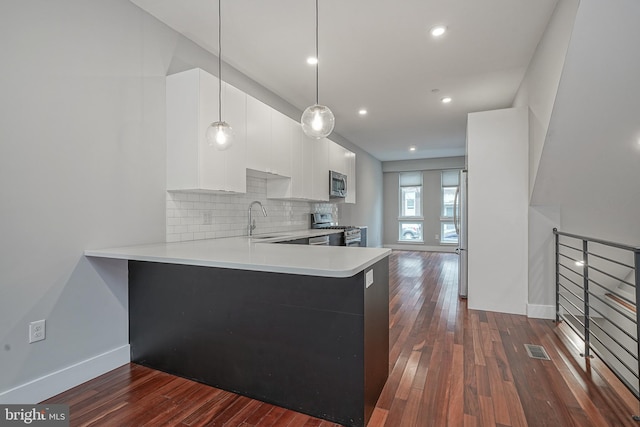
x: 450, y: 180
x: 410, y: 219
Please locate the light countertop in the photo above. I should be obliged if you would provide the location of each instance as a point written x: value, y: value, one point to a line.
x: 258, y: 253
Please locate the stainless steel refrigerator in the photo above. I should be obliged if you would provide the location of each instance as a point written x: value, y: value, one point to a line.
x: 460, y: 221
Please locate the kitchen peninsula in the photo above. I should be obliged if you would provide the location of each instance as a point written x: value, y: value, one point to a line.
x: 303, y: 327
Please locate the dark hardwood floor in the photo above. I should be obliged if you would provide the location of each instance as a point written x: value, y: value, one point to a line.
x: 449, y: 366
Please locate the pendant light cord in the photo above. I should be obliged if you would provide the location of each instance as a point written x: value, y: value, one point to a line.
x: 220, y: 60
x: 317, y: 58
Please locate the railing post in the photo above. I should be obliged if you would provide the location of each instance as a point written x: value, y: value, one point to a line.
x: 557, y: 237
x: 636, y: 265
x: 585, y: 281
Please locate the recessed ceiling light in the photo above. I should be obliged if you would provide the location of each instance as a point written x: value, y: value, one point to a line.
x: 362, y: 112
x: 438, y: 30
x: 312, y: 60
x: 412, y: 148
x: 446, y: 100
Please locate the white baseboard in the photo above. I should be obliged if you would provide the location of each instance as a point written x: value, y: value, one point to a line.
x: 56, y: 382
x: 423, y: 248
x: 541, y: 311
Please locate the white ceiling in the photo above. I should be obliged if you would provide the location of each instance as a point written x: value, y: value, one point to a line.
x: 378, y: 55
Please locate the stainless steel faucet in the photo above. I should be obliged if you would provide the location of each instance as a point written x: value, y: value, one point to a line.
x: 252, y: 223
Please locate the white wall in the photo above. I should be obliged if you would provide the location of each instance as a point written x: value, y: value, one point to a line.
x: 82, y: 161
x: 81, y: 165
x: 540, y: 84
x: 582, y: 89
x: 542, y: 273
x: 436, y: 163
x: 497, y: 159
x: 589, y: 164
x: 538, y: 92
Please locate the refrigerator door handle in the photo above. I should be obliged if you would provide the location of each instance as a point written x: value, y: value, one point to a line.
x: 455, y: 211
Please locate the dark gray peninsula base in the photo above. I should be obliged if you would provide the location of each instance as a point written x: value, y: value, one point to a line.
x: 317, y: 345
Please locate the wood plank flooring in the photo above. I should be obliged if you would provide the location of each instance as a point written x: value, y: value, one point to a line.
x: 449, y: 366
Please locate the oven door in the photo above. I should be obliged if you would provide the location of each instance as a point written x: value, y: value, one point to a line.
x: 353, y: 242
x: 352, y: 238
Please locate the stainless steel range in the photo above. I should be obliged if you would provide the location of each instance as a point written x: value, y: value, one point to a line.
x: 352, y: 234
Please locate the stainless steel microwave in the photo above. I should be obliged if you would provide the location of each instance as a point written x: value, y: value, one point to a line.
x: 337, y: 184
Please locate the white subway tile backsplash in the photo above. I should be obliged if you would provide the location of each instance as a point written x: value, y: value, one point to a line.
x: 172, y: 237
x: 193, y: 216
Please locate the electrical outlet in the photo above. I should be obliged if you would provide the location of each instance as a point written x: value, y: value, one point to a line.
x: 37, y: 331
x: 437, y: 237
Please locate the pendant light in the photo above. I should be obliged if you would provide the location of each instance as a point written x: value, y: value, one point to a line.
x: 219, y: 134
x: 317, y: 120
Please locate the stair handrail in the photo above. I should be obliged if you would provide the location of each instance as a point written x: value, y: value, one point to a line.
x: 562, y: 281
x: 595, y: 240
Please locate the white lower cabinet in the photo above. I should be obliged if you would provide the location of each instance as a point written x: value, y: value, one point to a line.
x: 191, y: 106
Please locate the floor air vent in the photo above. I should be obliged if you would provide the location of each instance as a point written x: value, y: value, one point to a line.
x: 537, y: 352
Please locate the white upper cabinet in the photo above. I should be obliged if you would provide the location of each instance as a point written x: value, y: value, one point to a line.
x: 258, y: 134
x: 319, y: 167
x: 265, y: 140
x: 338, y: 158
x: 269, y: 139
x: 344, y: 161
x: 192, y: 105
x: 351, y: 178
x: 309, y: 170
x: 282, y: 132
x: 300, y: 167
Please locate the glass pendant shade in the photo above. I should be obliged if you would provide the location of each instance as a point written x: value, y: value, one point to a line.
x: 317, y: 121
x: 220, y: 135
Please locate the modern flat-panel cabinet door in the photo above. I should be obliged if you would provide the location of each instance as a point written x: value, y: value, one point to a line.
x: 308, y: 150
x: 320, y: 169
x: 344, y: 161
x: 258, y: 134
x: 234, y: 112
x: 282, y: 128
x: 351, y: 178
x: 338, y: 158
x: 191, y: 106
x: 299, y: 169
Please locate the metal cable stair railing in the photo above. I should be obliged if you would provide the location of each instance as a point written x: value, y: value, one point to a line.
x: 596, y: 296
